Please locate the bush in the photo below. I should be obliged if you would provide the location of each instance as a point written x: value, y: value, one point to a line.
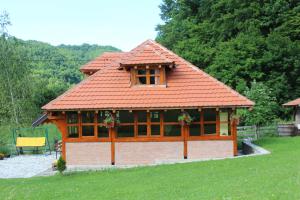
x: 1, y: 156
x: 5, y: 150
x: 61, y: 164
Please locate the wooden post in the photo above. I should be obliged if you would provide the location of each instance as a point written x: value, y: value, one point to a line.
x: 112, y: 136
x: 185, y: 131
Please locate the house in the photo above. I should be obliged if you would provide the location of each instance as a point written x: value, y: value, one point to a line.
x: 296, y: 105
x: 126, y: 111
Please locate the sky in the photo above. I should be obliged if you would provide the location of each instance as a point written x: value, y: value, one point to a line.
x: 120, y: 23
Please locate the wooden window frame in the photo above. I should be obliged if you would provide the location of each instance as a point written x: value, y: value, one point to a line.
x: 73, y: 125
x: 202, y: 123
x: 97, y: 124
x: 224, y: 122
x: 128, y: 124
x: 149, y: 137
x: 160, y: 75
x: 94, y: 124
x: 93, y: 138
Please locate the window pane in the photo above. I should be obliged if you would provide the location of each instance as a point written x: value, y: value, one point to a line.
x: 142, y: 72
x: 87, y: 130
x: 195, y: 130
x: 210, y: 128
x: 152, y: 71
x: 142, y: 129
x: 224, y: 129
x: 142, y: 116
x: 172, y: 130
x: 101, y: 116
x: 152, y: 80
x: 72, y: 117
x: 155, y: 116
x: 223, y: 116
x: 87, y: 117
x: 102, y: 131
x: 73, y: 132
x: 155, y: 129
x: 125, y: 131
x: 210, y: 115
x: 125, y: 116
x: 141, y: 80
x: 195, y: 114
x: 171, y: 115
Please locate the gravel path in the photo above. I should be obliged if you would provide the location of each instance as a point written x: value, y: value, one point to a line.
x: 25, y: 166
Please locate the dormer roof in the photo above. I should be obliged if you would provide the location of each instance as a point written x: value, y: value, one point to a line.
x: 145, y: 54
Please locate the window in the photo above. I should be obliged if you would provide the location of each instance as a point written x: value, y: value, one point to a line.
x: 204, y: 122
x: 142, y: 123
x: 155, y: 123
x: 150, y: 76
x: 195, y: 126
x: 171, y: 124
x: 72, y: 125
x: 73, y: 132
x: 125, y: 131
x: 102, y: 131
x: 210, y: 121
x: 88, y: 123
x: 224, y: 123
x: 126, y: 127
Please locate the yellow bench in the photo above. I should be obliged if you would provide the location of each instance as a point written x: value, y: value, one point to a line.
x: 31, y: 141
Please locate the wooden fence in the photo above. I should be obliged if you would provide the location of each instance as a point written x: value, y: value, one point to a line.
x: 254, y: 132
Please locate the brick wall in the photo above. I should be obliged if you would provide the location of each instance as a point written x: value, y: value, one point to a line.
x: 210, y: 149
x: 88, y: 153
x: 135, y: 153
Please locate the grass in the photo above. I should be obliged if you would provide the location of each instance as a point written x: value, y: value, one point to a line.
x: 274, y: 176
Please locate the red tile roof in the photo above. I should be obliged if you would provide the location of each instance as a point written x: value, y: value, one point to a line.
x: 104, y: 60
x: 110, y: 88
x: 145, y: 54
x: 295, y: 102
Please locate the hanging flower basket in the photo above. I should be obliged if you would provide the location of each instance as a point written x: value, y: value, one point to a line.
x: 235, y: 119
x: 111, y: 121
x: 184, y: 119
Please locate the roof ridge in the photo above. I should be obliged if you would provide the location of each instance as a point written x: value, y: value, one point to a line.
x: 199, y: 70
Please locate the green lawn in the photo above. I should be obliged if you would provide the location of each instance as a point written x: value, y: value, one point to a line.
x: 274, y: 176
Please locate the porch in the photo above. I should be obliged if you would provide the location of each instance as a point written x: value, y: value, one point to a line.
x: 145, y: 136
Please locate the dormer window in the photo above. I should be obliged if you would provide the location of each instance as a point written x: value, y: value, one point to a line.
x: 148, y: 75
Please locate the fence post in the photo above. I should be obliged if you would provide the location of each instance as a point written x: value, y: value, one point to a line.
x: 256, y: 132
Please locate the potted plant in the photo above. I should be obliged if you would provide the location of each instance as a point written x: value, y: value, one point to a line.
x: 185, y: 119
x: 235, y: 119
x: 111, y: 121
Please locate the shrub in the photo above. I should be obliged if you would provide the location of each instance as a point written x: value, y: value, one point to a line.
x: 1, y: 156
x: 61, y: 165
x: 5, y: 150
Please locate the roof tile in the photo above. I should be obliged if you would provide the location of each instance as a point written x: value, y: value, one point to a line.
x: 109, y: 87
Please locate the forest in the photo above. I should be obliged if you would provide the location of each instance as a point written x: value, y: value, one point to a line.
x: 32, y: 73
x: 252, y: 46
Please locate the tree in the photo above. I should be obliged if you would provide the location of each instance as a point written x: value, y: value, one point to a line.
x: 238, y: 41
x: 264, y: 111
x: 4, y: 22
